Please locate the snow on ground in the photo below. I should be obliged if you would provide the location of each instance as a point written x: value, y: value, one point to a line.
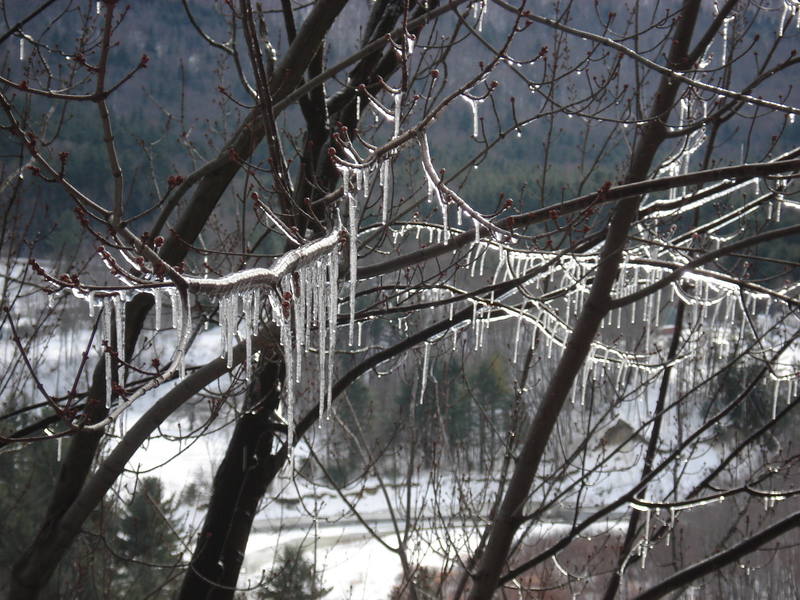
x: 356, y: 564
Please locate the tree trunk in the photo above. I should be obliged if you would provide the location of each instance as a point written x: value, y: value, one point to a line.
x: 239, y: 484
x: 510, y: 514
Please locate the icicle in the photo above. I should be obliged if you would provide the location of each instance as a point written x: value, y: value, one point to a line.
x: 657, y: 312
x: 472, y: 259
x: 729, y: 304
x: 398, y: 102
x: 353, y: 230
x: 299, y: 304
x: 385, y: 180
x: 22, y: 48
x: 473, y: 104
x: 307, y: 287
x: 568, y: 307
x: 475, y: 324
x: 424, y: 383
x: 365, y: 187
x: 410, y: 41
x: 107, y: 342
x: 620, y: 376
x: 119, y: 316
x: 90, y: 300
x: 223, y: 325
x: 228, y: 309
x: 516, y: 336
x: 333, y: 299
x: 433, y: 184
x: 790, y: 8
x: 358, y: 107
x: 480, y: 7
x: 775, y: 398
x: 322, y: 324
x: 226, y: 325
x: 725, y: 39
x: 583, y: 381
x: 247, y: 308
x: 157, y: 303
x: 233, y: 325
x: 256, y: 308
x: 284, y: 319
x: 183, y: 339
x: 176, y: 309
x: 58, y: 449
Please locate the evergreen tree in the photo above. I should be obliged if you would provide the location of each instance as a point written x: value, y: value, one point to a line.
x: 294, y: 576
x: 147, y: 542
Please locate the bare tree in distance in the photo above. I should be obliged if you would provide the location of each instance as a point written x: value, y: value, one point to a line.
x: 598, y: 202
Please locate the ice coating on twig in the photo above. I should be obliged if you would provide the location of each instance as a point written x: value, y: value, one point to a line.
x: 255, y: 278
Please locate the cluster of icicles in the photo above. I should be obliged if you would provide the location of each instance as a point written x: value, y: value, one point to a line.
x: 545, y: 325
x: 300, y: 293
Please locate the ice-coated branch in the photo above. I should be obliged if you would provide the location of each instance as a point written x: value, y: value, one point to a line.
x: 663, y: 70
x: 629, y: 495
x: 446, y: 195
x: 733, y: 175
x: 105, y: 119
x: 252, y: 279
x: 366, y: 50
x: 717, y: 561
x: 723, y: 251
x: 109, y: 470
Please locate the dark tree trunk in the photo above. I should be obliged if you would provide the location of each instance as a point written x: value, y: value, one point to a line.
x: 239, y: 484
x: 238, y: 489
x: 510, y: 515
x: 33, y: 568
x: 36, y: 565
